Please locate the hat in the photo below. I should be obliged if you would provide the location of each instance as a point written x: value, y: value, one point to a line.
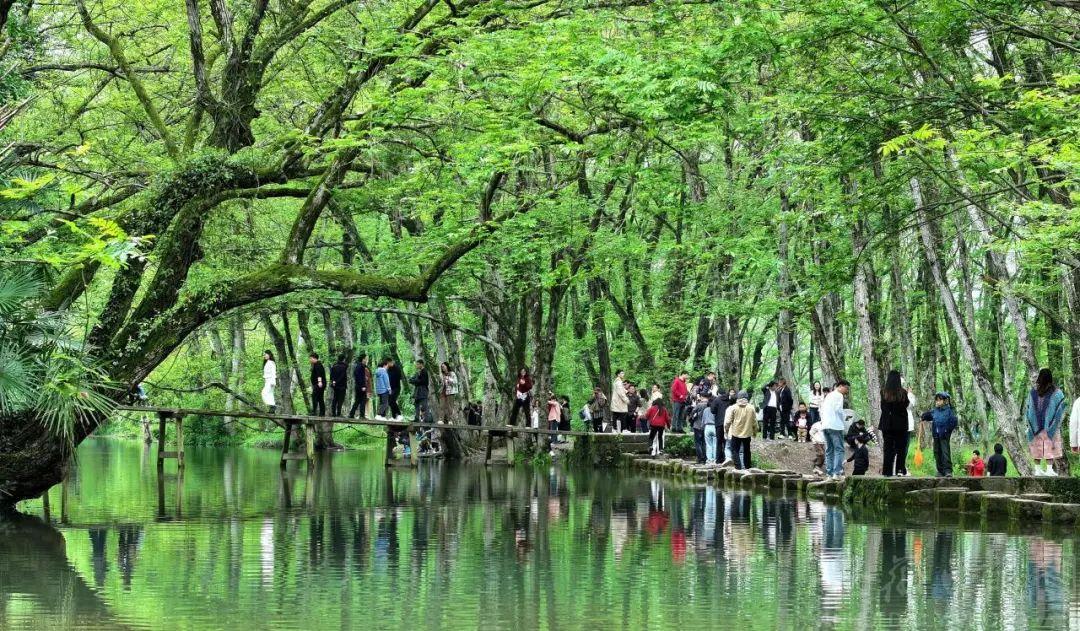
x: 742, y: 395
x: 942, y: 395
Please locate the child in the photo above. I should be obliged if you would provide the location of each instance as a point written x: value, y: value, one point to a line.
x: 976, y: 468
x: 817, y: 436
x: 996, y: 465
x: 861, y: 457
x: 943, y: 421
x: 802, y: 423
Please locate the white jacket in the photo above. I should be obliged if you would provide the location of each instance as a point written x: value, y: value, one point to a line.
x: 1074, y: 425
x: 619, y: 399
x: 832, y: 411
x: 270, y: 373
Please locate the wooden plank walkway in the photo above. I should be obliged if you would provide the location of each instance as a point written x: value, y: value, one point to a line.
x: 287, y: 421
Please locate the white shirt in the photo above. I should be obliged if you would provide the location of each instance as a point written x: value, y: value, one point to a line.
x: 832, y: 411
x: 911, y: 405
x: 270, y: 372
x: 772, y: 399
x: 816, y: 399
x: 1074, y: 425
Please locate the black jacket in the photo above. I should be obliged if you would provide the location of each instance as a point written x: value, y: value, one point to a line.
x: 318, y: 374
x: 894, y: 418
x: 359, y: 376
x: 339, y: 376
x: 419, y: 383
x: 396, y: 377
x: 861, y: 458
x: 785, y: 399
x: 996, y: 465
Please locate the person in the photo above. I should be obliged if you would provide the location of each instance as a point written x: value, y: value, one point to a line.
x: 817, y: 438
x: 817, y: 395
x: 554, y: 413
x: 708, y: 422
x: 801, y: 421
x: 318, y: 385
x: 596, y: 407
x: 1045, y: 409
x: 474, y: 413
x: 522, y: 395
x: 620, y: 402
x: 679, y: 395
x: 786, y: 400
x: 449, y: 389
x: 564, y: 416
x: 770, y: 406
x: 893, y: 424
x: 269, y: 381
x: 655, y: 394
x: 720, y: 405
x: 860, y: 457
x: 740, y: 424
x: 382, y: 389
x: 697, y: 425
x: 339, y: 383
x: 361, y: 376
x: 633, y: 407
x: 942, y: 421
x: 913, y: 404
x: 659, y: 419
x: 996, y: 465
x: 976, y: 468
x: 397, y: 377
x: 856, y: 431
x: 421, y: 391
x: 1074, y: 426
x: 832, y: 422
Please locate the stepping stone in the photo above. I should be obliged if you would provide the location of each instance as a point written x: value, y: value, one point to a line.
x: 1038, y: 497
x: 948, y: 498
x: 1061, y: 513
x: 994, y: 504
x: 1026, y: 509
x: 824, y: 488
x: 971, y: 502
x: 919, y: 497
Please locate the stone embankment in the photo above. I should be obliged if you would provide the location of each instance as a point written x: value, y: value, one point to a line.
x: 1050, y: 500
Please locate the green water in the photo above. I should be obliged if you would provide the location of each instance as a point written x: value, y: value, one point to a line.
x: 236, y: 544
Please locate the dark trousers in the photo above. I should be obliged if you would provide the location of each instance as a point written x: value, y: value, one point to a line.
x: 318, y: 402
x: 337, y: 403
x: 421, y: 406
x: 740, y: 452
x: 699, y: 444
x: 598, y: 422
x: 656, y: 433
x: 901, y: 464
x: 384, y: 405
x: 621, y: 421
x: 359, y: 403
x: 768, y: 423
x: 943, y: 455
x: 519, y: 406
x: 894, y: 452
x: 395, y: 408
x: 678, y: 412
x: 785, y: 422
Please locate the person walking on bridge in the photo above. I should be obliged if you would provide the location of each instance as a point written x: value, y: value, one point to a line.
x: 339, y: 383
x: 397, y: 377
x: 269, y: 381
x: 361, y: 385
x: 318, y: 386
x: 382, y: 389
x: 522, y: 396
x: 421, y: 392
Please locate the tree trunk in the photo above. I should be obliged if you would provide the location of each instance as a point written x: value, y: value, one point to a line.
x: 865, y: 322
x: 785, y: 326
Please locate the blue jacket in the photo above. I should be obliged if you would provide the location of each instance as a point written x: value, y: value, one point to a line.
x: 382, y: 381
x: 1055, y: 411
x: 943, y: 419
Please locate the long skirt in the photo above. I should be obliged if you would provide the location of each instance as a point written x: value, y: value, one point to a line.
x: 1043, y: 447
x: 268, y: 394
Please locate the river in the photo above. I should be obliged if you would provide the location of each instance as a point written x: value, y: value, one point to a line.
x: 235, y: 543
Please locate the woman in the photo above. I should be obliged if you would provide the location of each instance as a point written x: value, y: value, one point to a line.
x: 449, y: 390
x: 659, y: 419
x: 522, y: 396
x: 894, y: 424
x: 1045, y: 409
x: 269, y: 381
x: 817, y: 395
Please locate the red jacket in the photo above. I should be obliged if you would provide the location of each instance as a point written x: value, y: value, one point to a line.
x: 679, y: 392
x: 658, y: 417
x: 524, y: 384
x: 976, y: 468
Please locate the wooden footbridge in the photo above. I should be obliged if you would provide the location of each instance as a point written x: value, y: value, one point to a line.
x: 289, y: 421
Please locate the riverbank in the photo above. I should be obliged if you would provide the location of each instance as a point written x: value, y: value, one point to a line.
x: 1023, y: 499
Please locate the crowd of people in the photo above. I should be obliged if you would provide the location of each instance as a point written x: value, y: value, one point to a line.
x: 723, y: 421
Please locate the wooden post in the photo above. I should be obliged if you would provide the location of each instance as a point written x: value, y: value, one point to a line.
x: 160, y: 494
x: 180, y: 442
x: 63, y: 500
x: 487, y: 452
x: 45, y: 505
x: 414, y: 447
x: 285, y: 443
x: 309, y: 442
x: 161, y: 440
x: 510, y: 448
x: 389, y: 445
x: 180, y: 491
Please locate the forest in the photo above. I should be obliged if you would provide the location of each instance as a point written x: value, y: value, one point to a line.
x: 812, y: 189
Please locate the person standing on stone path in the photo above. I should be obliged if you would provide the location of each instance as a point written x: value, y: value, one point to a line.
x: 318, y: 386
x: 339, y: 383
x: 770, y: 410
x: 943, y: 422
x: 817, y: 395
x: 361, y: 386
x: 620, y: 402
x: 740, y: 424
x: 786, y: 401
x: 659, y: 419
x: 269, y: 381
x: 1045, y: 409
x: 679, y: 395
x: 832, y: 422
x: 421, y: 391
x: 894, y: 424
x: 382, y: 389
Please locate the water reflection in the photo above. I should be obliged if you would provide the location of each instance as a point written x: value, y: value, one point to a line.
x: 349, y: 543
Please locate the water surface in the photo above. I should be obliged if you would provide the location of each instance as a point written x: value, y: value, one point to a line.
x: 235, y: 543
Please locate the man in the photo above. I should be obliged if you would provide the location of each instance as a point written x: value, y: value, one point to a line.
x: 620, y: 402
x: 318, y: 386
x: 361, y: 379
x: 396, y: 378
x: 697, y: 424
x: 770, y: 409
x: 832, y: 420
x: 339, y: 382
x: 787, y: 401
x: 382, y: 389
x: 419, y: 382
x: 679, y: 394
x: 740, y: 423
